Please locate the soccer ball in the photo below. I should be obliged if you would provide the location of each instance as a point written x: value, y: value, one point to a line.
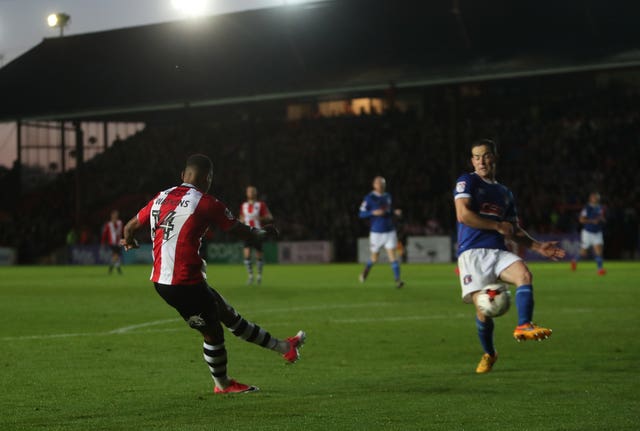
x: 494, y: 300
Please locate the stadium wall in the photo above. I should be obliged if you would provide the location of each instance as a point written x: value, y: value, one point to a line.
x: 7, y: 256
x: 419, y: 249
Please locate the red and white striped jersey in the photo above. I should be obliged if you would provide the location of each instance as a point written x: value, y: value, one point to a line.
x: 178, y: 218
x: 252, y: 212
x: 111, y: 233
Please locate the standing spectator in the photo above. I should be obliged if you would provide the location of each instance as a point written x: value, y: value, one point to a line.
x: 71, y: 240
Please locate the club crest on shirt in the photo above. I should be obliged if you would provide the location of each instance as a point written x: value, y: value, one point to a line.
x: 467, y: 279
x: 490, y: 209
x: 227, y: 212
x: 460, y: 186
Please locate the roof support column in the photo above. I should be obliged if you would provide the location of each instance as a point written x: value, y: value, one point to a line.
x: 105, y: 135
x: 18, y: 165
x: 79, y: 171
x: 63, y: 149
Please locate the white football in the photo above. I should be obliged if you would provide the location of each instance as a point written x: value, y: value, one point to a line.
x: 494, y: 300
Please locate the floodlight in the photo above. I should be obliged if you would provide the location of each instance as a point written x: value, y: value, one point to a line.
x: 190, y: 7
x: 58, y: 20
x: 52, y: 20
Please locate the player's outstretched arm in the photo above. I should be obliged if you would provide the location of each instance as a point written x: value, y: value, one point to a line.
x: 128, y: 241
x: 548, y: 249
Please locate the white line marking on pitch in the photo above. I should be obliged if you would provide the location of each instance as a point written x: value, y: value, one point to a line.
x: 140, y: 325
x: 136, y: 327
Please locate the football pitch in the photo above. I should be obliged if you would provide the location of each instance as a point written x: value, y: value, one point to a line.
x: 82, y: 350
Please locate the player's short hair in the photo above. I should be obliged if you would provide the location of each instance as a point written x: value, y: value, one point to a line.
x: 488, y: 142
x: 201, y: 163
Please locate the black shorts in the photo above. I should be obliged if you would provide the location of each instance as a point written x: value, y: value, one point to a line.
x: 199, y: 305
x: 116, y: 249
x: 257, y: 245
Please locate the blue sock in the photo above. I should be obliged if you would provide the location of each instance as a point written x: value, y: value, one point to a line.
x: 599, y: 261
x: 367, y: 268
x: 485, y: 334
x: 395, y: 266
x: 524, y: 302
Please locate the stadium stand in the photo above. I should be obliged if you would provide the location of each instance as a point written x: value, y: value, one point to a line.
x: 554, y: 149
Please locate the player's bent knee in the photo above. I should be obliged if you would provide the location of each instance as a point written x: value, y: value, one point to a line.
x: 197, y: 322
x: 526, y: 278
x: 211, y: 332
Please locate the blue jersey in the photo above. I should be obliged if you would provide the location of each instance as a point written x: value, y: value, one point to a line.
x: 490, y: 200
x: 593, y: 212
x: 372, y: 202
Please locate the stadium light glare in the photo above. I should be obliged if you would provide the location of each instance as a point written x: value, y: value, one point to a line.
x: 190, y: 7
x: 52, y: 20
x: 58, y: 20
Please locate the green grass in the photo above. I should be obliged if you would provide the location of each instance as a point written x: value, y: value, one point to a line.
x: 82, y: 350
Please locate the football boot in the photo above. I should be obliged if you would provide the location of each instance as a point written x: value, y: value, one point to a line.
x: 531, y: 331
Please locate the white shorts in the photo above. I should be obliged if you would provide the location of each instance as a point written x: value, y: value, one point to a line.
x: 588, y: 239
x: 388, y: 240
x: 481, y: 266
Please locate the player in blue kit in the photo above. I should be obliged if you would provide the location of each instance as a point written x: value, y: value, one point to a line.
x: 377, y: 207
x: 592, y: 218
x: 486, y: 214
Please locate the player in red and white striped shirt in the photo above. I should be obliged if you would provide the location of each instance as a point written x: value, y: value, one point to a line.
x: 254, y: 213
x: 111, y: 236
x: 178, y: 218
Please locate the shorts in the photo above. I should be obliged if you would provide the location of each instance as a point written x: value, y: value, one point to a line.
x: 589, y: 239
x: 116, y: 249
x: 199, y: 305
x: 388, y: 240
x: 480, y: 267
x: 255, y: 244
